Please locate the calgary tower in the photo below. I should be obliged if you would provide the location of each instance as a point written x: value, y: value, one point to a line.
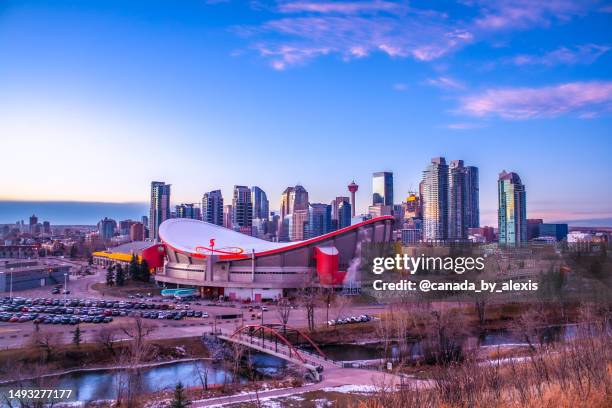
x: 353, y: 187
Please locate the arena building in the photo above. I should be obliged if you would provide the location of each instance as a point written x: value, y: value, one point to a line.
x: 222, y: 262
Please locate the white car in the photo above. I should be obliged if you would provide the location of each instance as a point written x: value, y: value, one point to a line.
x: 204, y: 314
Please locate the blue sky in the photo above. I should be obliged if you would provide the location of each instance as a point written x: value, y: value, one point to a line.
x: 98, y: 98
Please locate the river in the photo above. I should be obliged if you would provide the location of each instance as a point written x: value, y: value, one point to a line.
x: 103, y: 384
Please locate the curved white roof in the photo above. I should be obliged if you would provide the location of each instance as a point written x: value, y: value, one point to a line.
x: 194, y: 237
x: 187, y: 235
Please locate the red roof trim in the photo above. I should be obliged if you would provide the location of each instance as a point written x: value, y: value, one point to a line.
x: 288, y: 247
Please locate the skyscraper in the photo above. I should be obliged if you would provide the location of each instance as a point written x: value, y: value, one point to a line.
x: 228, y: 216
x: 33, y: 223
x: 261, y: 205
x: 190, y: 210
x: 242, y: 207
x: 344, y: 214
x: 457, y: 201
x: 160, y: 207
x: 335, y: 204
x: 293, y: 199
x: 382, y: 188
x: 298, y: 199
x: 512, y: 213
x: 137, y: 232
x: 473, y: 197
x: 435, y: 200
x: 212, y: 207
x: 107, y: 228
x: 319, y: 220
x: 297, y: 222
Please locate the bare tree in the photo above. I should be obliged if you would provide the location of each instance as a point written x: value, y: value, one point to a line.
x: 106, y: 338
x: 47, y: 341
x: 202, y: 373
x: 283, y: 311
x: 130, y: 387
x: 307, y: 297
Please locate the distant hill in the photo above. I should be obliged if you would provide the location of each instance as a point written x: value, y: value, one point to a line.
x: 70, y: 212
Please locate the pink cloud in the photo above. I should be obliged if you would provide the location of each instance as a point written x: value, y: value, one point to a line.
x: 522, y: 14
x: 445, y: 82
x: 350, y: 7
x: 525, y: 103
x: 582, y: 54
x: 355, y: 30
x: 464, y: 126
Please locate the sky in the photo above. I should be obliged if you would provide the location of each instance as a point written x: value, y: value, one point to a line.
x: 99, y: 98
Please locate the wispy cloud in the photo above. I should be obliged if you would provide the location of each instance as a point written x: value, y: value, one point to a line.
x: 400, y: 87
x: 302, y: 30
x: 523, y: 14
x: 351, y: 30
x: 590, y: 98
x: 445, y: 82
x: 464, y: 126
x: 582, y: 54
x: 351, y: 7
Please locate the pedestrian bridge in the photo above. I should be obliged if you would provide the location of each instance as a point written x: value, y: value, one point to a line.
x: 273, y: 340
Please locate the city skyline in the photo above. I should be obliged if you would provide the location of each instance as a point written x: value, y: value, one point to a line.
x: 92, y: 92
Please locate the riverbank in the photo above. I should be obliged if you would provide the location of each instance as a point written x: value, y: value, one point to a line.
x: 52, y: 360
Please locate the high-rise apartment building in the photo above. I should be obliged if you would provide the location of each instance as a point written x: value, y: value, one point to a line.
x: 33, y: 224
x: 137, y: 232
x: 228, y: 216
x: 106, y: 228
x: 242, y: 208
x: 435, y: 200
x: 261, y: 205
x: 463, y: 200
x: 472, y: 203
x: 382, y: 188
x: 512, y: 210
x: 212, y: 207
x: 190, y: 210
x: 160, y: 207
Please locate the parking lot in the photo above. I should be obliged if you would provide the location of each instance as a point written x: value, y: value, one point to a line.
x: 74, y: 311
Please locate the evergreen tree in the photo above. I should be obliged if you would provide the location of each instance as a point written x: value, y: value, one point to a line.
x: 145, y: 274
x: 73, y: 252
x: 110, y: 276
x: 134, y: 270
x: 76, y: 339
x: 180, y: 399
x: 120, y: 276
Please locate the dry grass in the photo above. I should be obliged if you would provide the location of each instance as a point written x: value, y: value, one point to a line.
x: 574, y: 374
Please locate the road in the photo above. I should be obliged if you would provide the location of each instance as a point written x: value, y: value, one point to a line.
x: 15, y: 335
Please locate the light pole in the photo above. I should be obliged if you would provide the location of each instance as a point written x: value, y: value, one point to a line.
x: 11, y: 286
x: 65, y: 284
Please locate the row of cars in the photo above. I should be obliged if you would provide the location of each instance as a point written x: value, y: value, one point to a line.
x: 52, y: 319
x: 173, y: 315
x: 347, y: 320
x: 75, y: 311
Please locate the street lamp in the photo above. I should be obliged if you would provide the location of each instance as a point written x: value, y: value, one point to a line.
x: 65, y: 284
x: 262, y: 312
x: 11, y: 293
